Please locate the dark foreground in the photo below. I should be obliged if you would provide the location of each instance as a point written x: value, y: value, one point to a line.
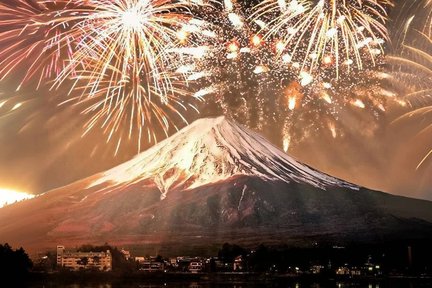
x: 213, y: 280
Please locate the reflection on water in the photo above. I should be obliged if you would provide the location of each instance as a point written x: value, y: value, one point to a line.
x: 274, y: 284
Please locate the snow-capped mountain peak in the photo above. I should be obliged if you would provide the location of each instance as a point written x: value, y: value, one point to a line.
x: 211, y: 150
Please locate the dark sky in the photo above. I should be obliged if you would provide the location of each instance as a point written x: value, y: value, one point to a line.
x: 41, y: 147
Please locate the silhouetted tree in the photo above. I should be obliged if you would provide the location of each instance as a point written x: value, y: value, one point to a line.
x: 230, y: 251
x: 14, y: 264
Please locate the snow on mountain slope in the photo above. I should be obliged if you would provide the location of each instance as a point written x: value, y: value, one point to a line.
x: 210, y: 150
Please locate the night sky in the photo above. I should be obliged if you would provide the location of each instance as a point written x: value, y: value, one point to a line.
x: 42, y: 147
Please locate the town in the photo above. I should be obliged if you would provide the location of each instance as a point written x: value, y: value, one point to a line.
x: 397, y: 260
x: 231, y: 263
x: 102, y: 261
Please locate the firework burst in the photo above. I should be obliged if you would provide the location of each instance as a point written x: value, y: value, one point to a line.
x: 326, y: 35
x: 128, y: 58
x: 124, y: 33
x: 120, y: 57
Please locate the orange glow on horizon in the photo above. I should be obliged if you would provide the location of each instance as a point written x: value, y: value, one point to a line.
x: 9, y: 196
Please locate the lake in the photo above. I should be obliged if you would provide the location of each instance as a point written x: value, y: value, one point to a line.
x: 393, y: 283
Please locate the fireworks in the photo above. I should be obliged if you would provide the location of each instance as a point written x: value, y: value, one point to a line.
x: 329, y: 35
x: 127, y: 108
x: 127, y: 57
x: 127, y: 33
x: 412, y: 73
x: 428, y: 22
x: 135, y: 66
x: 122, y: 56
x: 260, y: 84
x: 32, y: 34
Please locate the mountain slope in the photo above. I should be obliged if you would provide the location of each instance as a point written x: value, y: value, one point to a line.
x: 212, y: 182
x: 211, y: 150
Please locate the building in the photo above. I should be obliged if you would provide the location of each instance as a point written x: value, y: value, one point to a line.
x: 343, y: 271
x: 196, y: 266
x: 173, y: 262
x: 139, y: 259
x: 76, y: 261
x: 60, y: 251
x: 348, y: 271
x: 238, y: 263
x: 150, y: 264
x: 316, y: 269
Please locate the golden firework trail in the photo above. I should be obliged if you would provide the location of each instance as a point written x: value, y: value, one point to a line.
x: 127, y: 109
x: 413, y: 68
x: 331, y: 35
x: 428, y: 22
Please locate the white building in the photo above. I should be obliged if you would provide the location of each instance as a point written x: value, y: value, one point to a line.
x: 76, y: 261
x: 150, y: 264
x: 196, y: 266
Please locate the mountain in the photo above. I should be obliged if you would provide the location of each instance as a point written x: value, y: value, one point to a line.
x: 212, y: 182
x: 209, y: 151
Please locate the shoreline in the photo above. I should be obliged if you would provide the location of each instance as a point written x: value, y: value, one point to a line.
x: 217, y: 277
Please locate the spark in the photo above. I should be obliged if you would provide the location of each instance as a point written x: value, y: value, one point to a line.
x: 260, y: 69
x: 358, y: 103
x: 306, y: 78
x: 260, y: 23
x: 327, y: 85
x: 245, y: 50
x: 327, y: 60
x: 256, y: 40
x: 233, y: 47
x: 424, y: 160
x: 232, y: 55
x: 332, y: 128
x: 182, y: 36
x: 205, y: 91
x: 292, y: 102
x: 327, y: 98
x: 229, y: 6
x: 280, y: 46
x: 16, y: 106
x: 287, y: 58
x: 236, y: 20
x: 286, y: 143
